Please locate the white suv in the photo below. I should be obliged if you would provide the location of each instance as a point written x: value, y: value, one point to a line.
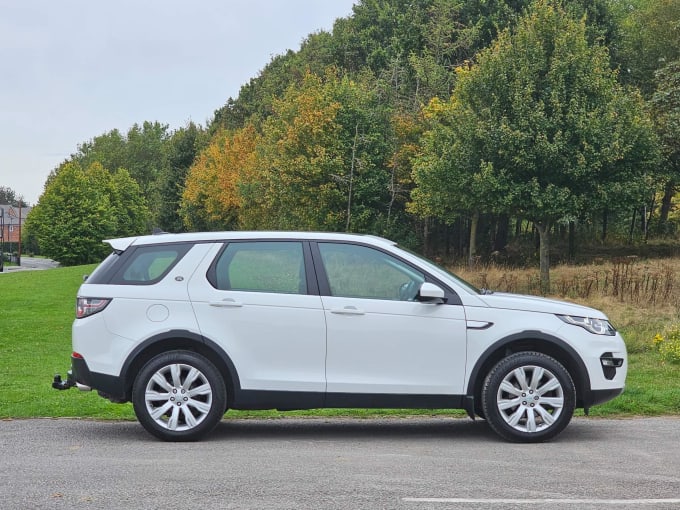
x: 187, y: 326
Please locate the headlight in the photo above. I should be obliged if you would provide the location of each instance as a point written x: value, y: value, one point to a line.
x: 594, y: 326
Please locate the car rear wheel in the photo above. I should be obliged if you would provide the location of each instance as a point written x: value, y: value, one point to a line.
x: 528, y: 397
x: 179, y: 396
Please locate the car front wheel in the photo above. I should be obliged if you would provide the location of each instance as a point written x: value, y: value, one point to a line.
x: 179, y: 396
x: 528, y: 397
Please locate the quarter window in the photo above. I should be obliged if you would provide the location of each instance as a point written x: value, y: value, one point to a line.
x: 149, y: 264
x: 263, y: 266
x: 362, y: 272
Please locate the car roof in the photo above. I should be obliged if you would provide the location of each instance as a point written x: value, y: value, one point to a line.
x: 122, y: 243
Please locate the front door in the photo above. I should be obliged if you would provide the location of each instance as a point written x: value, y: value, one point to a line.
x: 381, y: 339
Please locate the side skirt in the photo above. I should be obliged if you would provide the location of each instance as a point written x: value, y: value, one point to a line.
x: 293, y: 400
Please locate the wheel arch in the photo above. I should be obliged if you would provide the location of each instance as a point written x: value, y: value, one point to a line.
x: 180, y: 340
x: 531, y: 341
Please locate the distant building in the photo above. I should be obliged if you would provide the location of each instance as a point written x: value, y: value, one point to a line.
x: 10, y: 228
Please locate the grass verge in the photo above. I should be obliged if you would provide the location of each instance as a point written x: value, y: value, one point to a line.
x: 37, y: 309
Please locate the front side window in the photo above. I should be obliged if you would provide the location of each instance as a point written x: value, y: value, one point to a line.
x: 363, y: 272
x: 261, y: 266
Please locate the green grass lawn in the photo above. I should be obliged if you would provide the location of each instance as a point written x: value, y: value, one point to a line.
x: 37, y: 309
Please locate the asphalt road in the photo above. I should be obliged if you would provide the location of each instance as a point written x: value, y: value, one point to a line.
x: 29, y: 263
x: 318, y: 463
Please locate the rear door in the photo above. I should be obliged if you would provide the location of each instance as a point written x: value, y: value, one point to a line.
x: 257, y: 300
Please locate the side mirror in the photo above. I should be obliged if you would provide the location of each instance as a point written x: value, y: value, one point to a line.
x: 429, y: 292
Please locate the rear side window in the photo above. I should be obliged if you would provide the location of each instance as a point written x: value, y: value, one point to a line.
x: 103, y: 272
x: 146, y: 265
x: 261, y: 266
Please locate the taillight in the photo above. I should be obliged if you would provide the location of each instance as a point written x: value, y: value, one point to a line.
x: 86, y: 306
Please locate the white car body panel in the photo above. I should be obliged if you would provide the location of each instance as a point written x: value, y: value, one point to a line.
x: 378, y: 346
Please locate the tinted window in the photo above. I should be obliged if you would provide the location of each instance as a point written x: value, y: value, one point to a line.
x: 149, y: 264
x: 103, y: 271
x: 359, y: 271
x: 262, y: 266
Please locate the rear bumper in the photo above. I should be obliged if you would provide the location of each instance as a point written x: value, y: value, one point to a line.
x: 108, y: 386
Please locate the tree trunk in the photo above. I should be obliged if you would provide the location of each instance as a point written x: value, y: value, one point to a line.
x: 544, y: 255
x: 474, y: 220
x: 668, y: 193
x: 572, y: 241
x: 501, y: 237
x: 652, y: 206
x: 426, y: 236
x: 351, y: 178
x: 632, y: 225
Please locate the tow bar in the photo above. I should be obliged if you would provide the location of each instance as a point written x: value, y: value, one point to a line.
x: 59, y: 384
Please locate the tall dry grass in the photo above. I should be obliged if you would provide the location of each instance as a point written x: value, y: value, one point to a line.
x: 641, y: 297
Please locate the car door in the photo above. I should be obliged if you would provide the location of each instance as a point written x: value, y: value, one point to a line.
x: 253, y: 300
x: 381, y: 339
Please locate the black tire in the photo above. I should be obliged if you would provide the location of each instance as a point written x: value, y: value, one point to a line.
x: 179, y: 396
x: 528, y: 397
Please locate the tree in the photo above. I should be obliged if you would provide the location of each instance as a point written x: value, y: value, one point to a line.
x: 8, y: 196
x: 320, y: 162
x: 452, y: 178
x: 145, y: 159
x: 218, y: 180
x: 127, y: 200
x: 544, y: 117
x: 108, y: 149
x: 650, y: 40
x: 181, y: 151
x: 72, y: 217
x: 80, y: 208
x: 665, y: 108
x: 141, y: 152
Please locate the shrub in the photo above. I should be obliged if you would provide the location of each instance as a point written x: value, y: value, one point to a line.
x: 669, y: 345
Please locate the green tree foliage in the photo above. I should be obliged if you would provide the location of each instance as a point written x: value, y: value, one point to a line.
x: 128, y: 204
x: 319, y: 162
x: 80, y: 208
x: 650, y: 40
x: 141, y: 152
x: 541, y: 120
x: 454, y: 178
x: 108, y: 149
x: 336, y: 136
x: 9, y: 196
x: 665, y: 108
x: 181, y: 150
x: 145, y: 157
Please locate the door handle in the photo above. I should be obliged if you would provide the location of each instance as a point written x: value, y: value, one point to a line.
x: 348, y: 310
x: 226, y: 303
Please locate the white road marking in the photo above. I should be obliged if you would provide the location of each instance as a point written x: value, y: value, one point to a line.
x: 561, y: 501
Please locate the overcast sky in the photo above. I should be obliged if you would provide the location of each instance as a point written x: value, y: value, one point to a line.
x: 71, y: 70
